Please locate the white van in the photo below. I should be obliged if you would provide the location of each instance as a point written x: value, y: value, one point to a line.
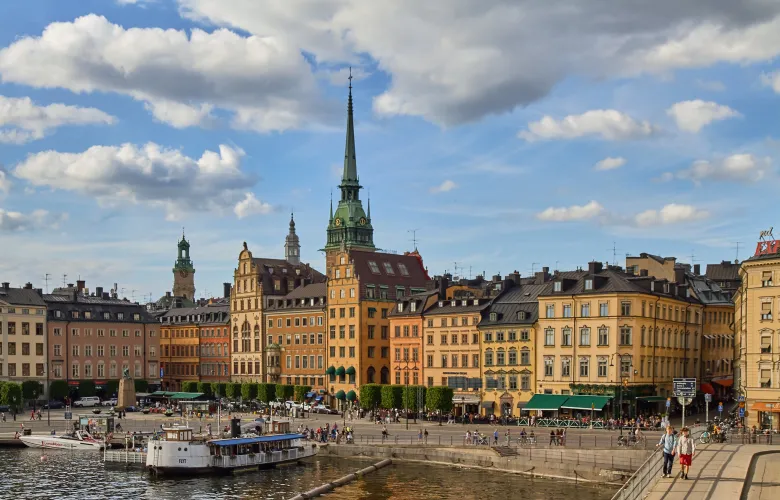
x: 88, y: 401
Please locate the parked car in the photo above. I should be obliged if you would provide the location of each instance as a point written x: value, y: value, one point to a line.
x: 5, y: 409
x: 54, y: 405
x: 110, y: 402
x: 325, y: 409
x: 87, y: 402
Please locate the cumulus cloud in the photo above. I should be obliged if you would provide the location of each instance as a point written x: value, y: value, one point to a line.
x: 5, y: 182
x: 22, y: 121
x: 607, y: 124
x: 148, y: 175
x: 610, y: 163
x: 711, y: 85
x: 263, y: 82
x: 37, y: 219
x: 483, y: 58
x: 670, y: 214
x: 691, y: 116
x: 742, y: 167
x: 772, y: 80
x: 250, y: 205
x: 444, y: 187
x: 573, y: 213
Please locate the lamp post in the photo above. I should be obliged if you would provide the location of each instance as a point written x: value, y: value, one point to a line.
x: 407, y: 367
x: 623, y: 381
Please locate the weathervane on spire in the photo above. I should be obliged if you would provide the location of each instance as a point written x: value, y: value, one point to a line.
x: 350, y: 79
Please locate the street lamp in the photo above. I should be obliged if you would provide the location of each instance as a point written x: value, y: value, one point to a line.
x: 623, y: 381
x: 407, y: 367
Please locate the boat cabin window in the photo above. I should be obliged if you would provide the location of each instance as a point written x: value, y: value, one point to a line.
x: 178, y: 435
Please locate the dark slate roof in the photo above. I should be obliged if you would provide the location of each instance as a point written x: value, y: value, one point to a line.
x: 417, y: 275
x: 300, y: 299
x: 707, y: 291
x: 66, y: 304
x: 509, y: 306
x: 726, y: 270
x: 448, y: 308
x: 420, y: 299
x: 21, y: 297
x: 272, y: 269
x: 313, y: 291
x: 217, y: 313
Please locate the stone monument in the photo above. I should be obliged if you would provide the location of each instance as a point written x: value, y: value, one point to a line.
x: 126, y: 391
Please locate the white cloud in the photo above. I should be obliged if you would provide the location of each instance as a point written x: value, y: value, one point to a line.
x: 711, y: 85
x: 482, y: 58
x: 610, y: 163
x: 146, y: 175
x: 21, y: 120
x: 264, y: 82
x: 444, y: 187
x: 37, y: 219
x: 738, y: 167
x: 251, y: 206
x: 670, y: 214
x: 5, y: 182
x: 691, y: 116
x: 133, y: 2
x: 772, y: 80
x: 575, y: 212
x: 608, y: 124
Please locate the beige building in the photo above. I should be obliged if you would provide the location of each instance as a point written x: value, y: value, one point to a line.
x: 757, y: 370
x: 22, y: 334
x: 604, y: 332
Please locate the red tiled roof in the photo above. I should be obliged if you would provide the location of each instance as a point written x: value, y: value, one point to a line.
x: 415, y: 275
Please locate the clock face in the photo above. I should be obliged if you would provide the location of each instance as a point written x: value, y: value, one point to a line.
x: 337, y: 222
x: 183, y: 273
x: 362, y: 221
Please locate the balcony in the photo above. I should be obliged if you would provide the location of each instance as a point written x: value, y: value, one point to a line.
x: 274, y: 370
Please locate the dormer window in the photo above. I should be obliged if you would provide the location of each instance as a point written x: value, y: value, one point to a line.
x: 521, y: 315
x: 441, y: 303
x: 476, y: 302
x: 137, y: 317
x: 57, y: 314
x: 557, y: 286
x: 588, y: 284
x: 298, y: 271
x: 402, y: 268
x: 413, y: 306
x: 120, y: 315
x: 454, y: 303
x: 106, y: 315
x: 493, y: 316
x: 389, y: 268
x: 464, y: 303
x: 400, y: 307
x: 374, y: 268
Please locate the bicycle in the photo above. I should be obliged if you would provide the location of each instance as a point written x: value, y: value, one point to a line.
x: 705, y: 437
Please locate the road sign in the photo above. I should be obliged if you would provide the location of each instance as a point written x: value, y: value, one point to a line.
x: 741, y: 412
x: 741, y: 399
x: 741, y: 404
x: 708, y: 398
x: 684, y: 387
x: 684, y: 401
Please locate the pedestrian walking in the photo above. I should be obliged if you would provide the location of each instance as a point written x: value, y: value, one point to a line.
x: 419, y: 436
x: 686, y: 448
x: 507, y: 436
x: 495, y: 437
x: 553, y: 438
x: 669, y: 443
x: 425, y: 437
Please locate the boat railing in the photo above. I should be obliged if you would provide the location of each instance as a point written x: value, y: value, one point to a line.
x: 125, y: 457
x: 258, y: 458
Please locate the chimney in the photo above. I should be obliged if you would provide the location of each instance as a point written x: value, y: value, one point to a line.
x: 167, y: 294
x: 697, y: 269
x: 28, y: 286
x: 70, y: 285
x: 643, y: 272
x: 80, y: 284
x: 6, y: 285
x: 679, y: 275
x: 444, y: 283
x: 496, y: 278
x: 39, y: 291
x: 106, y: 296
x: 98, y: 291
x: 226, y: 290
x: 594, y: 267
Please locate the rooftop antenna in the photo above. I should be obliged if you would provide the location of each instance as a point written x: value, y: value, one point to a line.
x: 455, y: 274
x: 737, y: 243
x: 414, y: 236
x: 693, y: 257
x: 122, y: 292
x: 64, y: 280
x: 469, y: 272
x: 556, y: 265
x: 132, y: 295
x: 614, y: 253
x: 46, y: 280
x: 533, y: 267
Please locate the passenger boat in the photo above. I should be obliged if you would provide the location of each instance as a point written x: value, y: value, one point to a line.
x: 177, y: 451
x: 78, y: 440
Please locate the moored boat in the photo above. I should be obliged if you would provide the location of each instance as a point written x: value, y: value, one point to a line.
x: 77, y: 440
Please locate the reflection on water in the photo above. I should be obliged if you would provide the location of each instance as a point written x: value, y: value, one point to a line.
x: 61, y: 474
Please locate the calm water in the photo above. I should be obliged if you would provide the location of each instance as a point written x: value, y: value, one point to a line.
x: 82, y: 475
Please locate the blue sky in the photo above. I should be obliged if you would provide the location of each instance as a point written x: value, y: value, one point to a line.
x: 508, y: 134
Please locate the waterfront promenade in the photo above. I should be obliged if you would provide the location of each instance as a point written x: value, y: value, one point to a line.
x: 721, y: 471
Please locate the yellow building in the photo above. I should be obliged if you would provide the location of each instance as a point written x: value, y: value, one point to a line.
x: 22, y: 335
x: 757, y: 370
x: 605, y: 332
x: 180, y: 347
x: 509, y: 331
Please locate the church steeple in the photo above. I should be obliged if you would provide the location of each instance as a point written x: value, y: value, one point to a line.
x: 350, y: 227
x: 292, y: 247
x: 184, y: 271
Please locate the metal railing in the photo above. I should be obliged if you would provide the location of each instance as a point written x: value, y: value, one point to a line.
x: 601, y: 441
x: 125, y: 457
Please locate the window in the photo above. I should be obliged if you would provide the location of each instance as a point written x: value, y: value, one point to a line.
x: 444, y: 361
x: 625, y: 335
x: 766, y: 344
x: 352, y: 331
x: 566, y: 336
x: 500, y: 357
x: 557, y: 286
x: 525, y: 335
x: 766, y: 310
x: 584, y: 367
x: 625, y: 366
x: 525, y: 357
x: 625, y: 308
x: 766, y: 278
x: 566, y: 367
x: 548, y: 367
x: 489, y: 357
x: 604, y: 309
x: 403, y: 270
x: 549, y: 337
x: 550, y: 311
x: 389, y: 268
x: 475, y: 361
x: 603, y: 335
x: 765, y: 379
x: 585, y: 336
x: 602, y: 367
x: 525, y: 382
x: 588, y: 284
x: 585, y: 310
x: 500, y: 336
x: 567, y: 310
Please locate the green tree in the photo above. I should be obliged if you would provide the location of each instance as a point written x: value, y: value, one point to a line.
x: 189, y: 386
x: 285, y: 392
x: 414, y: 397
x: 219, y: 389
x: 439, y: 398
x: 205, y: 388
x: 111, y: 387
x: 11, y: 395
x: 248, y: 391
x: 233, y: 390
x: 87, y: 388
x: 2, y: 393
x: 266, y: 392
x: 370, y: 396
x: 391, y: 396
x: 140, y: 385
x: 31, y: 389
x: 300, y: 392
x: 58, y: 390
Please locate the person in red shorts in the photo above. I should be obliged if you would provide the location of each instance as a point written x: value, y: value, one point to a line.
x: 686, y: 449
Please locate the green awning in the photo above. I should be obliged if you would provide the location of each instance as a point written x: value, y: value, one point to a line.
x: 351, y: 370
x: 586, y: 402
x: 651, y: 399
x: 351, y: 396
x: 546, y: 402
x: 186, y: 395
x: 163, y: 394
x: 340, y: 395
x: 340, y: 371
x: 331, y: 370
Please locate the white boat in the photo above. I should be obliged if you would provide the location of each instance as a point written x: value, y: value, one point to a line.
x: 177, y: 451
x: 78, y: 440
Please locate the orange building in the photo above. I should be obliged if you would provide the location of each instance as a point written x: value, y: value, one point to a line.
x: 214, y: 333
x: 406, y: 344
x: 295, y: 344
x: 179, y: 346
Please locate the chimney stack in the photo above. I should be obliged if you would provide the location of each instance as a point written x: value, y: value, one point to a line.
x: 80, y: 284
x: 226, y: 290
x: 28, y: 286
x: 98, y: 291
x: 697, y: 269
x: 679, y: 275
x: 6, y: 285
x: 444, y: 283
x: 594, y: 267
x: 106, y: 296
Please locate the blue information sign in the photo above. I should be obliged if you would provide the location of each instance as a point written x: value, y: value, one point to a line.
x: 668, y: 402
x: 741, y: 413
x: 685, y: 387
x: 720, y: 407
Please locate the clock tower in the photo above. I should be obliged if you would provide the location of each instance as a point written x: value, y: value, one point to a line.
x: 183, y: 272
x: 350, y: 226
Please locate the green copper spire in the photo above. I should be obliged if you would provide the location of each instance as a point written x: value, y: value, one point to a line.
x: 350, y: 161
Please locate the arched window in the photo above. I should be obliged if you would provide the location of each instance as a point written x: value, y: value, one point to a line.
x: 235, y: 331
x: 257, y: 331
x: 370, y: 374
